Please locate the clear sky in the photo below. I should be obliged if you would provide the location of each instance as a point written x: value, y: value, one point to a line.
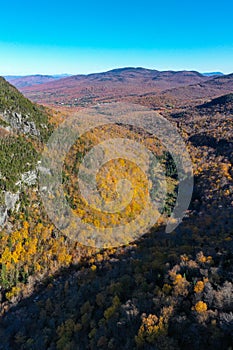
x: 73, y: 36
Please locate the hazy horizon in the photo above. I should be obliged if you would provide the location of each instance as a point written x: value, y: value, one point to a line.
x: 106, y: 70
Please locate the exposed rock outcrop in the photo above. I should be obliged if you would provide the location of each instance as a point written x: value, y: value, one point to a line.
x: 10, y: 200
x: 21, y: 123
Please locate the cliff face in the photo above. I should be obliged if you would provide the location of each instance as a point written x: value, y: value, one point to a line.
x: 23, y: 125
x: 19, y: 114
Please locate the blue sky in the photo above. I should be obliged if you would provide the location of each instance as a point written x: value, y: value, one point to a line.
x: 71, y: 36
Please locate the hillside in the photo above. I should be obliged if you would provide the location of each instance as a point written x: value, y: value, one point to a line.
x: 24, y: 127
x: 214, y: 87
x: 222, y: 104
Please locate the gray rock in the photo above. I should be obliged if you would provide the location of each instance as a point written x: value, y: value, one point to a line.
x: 21, y: 123
x: 29, y: 178
x: 11, y: 200
x: 10, y: 204
x: 3, y: 215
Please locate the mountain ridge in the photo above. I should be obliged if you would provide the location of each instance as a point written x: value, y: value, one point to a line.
x: 81, y: 90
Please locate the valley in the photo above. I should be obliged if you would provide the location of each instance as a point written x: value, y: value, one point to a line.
x: 160, y: 291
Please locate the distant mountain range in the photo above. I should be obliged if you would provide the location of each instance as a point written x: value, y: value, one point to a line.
x: 211, y: 74
x: 134, y: 84
x: 81, y: 90
x: 30, y: 80
x: 21, y: 81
